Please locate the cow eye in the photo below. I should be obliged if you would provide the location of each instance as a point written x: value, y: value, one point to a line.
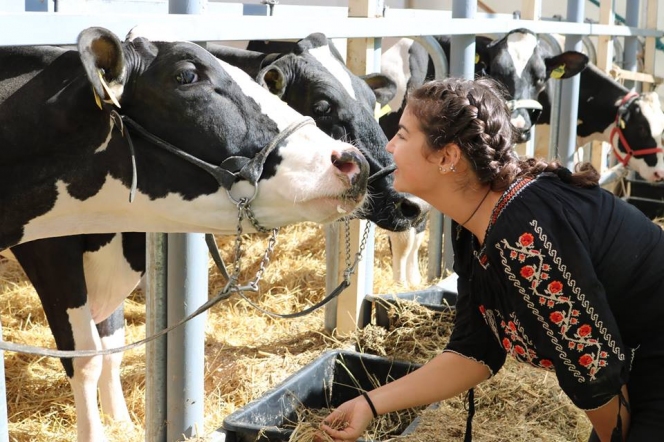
x: 186, y: 77
x: 322, y: 107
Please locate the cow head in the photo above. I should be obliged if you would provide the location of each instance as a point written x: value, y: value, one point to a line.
x: 73, y: 174
x: 314, y: 80
x: 517, y: 61
x: 636, y: 135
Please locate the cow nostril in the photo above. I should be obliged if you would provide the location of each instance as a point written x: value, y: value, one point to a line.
x: 409, y: 209
x: 344, y: 162
x: 350, y: 164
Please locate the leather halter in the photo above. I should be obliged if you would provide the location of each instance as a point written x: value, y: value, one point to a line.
x: 231, y: 169
x: 625, y: 103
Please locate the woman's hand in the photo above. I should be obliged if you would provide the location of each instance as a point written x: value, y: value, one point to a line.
x: 348, y: 421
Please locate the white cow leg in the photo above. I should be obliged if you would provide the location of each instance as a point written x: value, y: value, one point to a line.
x: 400, y: 244
x: 413, y: 274
x: 112, y: 399
x: 86, y: 376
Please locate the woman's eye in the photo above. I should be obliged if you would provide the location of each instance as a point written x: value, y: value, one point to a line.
x: 322, y: 107
x: 186, y: 77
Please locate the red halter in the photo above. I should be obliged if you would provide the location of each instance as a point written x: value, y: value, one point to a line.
x: 617, y: 129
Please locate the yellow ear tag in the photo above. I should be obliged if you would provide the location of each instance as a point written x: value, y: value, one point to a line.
x: 558, y: 72
x: 97, y: 99
x: 111, y: 95
x: 622, y: 123
x: 381, y: 111
x: 477, y: 58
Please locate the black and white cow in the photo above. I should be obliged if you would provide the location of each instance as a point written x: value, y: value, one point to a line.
x: 313, y: 80
x: 631, y: 123
x: 67, y: 169
x: 515, y: 60
x: 311, y: 77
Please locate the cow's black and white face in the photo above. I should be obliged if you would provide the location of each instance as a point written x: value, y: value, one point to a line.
x: 518, y: 67
x: 643, y: 123
x: 314, y: 80
x: 73, y: 174
x: 517, y: 62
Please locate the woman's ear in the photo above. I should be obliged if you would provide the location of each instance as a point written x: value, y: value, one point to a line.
x: 450, y: 155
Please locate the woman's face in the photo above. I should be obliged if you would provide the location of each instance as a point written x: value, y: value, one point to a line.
x: 417, y: 171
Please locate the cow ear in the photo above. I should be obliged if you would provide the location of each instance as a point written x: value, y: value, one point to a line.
x: 273, y: 79
x: 103, y: 59
x: 311, y: 41
x: 383, y: 87
x: 565, y: 65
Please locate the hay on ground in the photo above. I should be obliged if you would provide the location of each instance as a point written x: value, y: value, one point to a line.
x: 247, y: 353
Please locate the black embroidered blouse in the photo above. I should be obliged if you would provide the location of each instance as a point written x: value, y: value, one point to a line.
x: 568, y: 279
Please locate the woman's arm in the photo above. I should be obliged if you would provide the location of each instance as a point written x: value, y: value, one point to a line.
x: 604, y: 418
x: 445, y: 376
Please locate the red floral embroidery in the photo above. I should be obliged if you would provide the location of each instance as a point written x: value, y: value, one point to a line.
x: 584, y: 330
x: 545, y: 363
x: 482, y: 309
x: 555, y: 287
x: 507, y: 344
x: 556, y: 317
x: 526, y: 239
x: 527, y: 272
x: 558, y: 304
x: 586, y: 360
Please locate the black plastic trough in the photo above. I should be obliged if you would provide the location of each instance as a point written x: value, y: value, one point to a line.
x: 647, y: 197
x: 436, y: 298
x: 325, y: 383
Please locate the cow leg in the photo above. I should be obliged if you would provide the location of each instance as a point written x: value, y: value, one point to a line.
x: 404, y: 246
x: 111, y: 332
x: 413, y: 275
x: 55, y: 268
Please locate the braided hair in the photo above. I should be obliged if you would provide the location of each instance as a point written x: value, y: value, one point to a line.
x: 474, y: 115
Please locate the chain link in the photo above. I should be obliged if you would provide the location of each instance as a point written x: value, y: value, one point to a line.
x: 244, y: 210
x: 350, y: 268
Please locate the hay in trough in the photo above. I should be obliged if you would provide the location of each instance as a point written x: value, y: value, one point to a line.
x: 247, y: 353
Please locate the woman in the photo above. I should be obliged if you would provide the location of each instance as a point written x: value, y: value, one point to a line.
x: 552, y: 269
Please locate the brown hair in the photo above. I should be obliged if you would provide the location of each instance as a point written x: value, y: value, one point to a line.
x: 473, y: 114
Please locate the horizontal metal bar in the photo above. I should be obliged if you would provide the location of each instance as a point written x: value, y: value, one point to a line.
x: 34, y: 28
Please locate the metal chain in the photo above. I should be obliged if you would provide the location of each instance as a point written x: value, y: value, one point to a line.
x: 243, y: 208
x: 350, y: 268
x: 266, y: 259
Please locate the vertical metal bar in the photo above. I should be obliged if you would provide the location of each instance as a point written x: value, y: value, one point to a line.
x: 187, y: 6
x: 4, y: 419
x: 462, y: 64
x: 436, y: 222
x: 360, y: 56
x: 155, y: 351
x: 332, y: 274
x: 570, y: 92
x: 631, y: 43
x: 187, y: 290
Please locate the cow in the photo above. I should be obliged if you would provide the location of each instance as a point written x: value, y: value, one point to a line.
x: 114, y: 264
x: 146, y: 136
x: 515, y: 60
x: 311, y: 76
x: 630, y: 122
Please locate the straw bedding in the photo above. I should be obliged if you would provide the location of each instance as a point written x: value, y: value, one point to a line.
x: 248, y: 353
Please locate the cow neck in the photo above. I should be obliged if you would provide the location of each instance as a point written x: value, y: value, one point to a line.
x: 625, y: 103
